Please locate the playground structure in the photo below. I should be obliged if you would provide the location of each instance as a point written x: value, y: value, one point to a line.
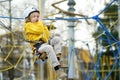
x: 16, y: 57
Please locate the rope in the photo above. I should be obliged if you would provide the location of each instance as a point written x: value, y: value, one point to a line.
x: 29, y: 71
x: 20, y: 57
x: 9, y: 53
x: 107, y: 33
x: 13, y: 33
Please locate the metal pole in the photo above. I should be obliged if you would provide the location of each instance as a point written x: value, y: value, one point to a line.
x: 71, y: 58
x: 42, y: 2
x: 24, y: 66
x: 11, y: 71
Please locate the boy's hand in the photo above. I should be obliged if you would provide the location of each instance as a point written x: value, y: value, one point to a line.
x: 43, y: 55
x: 34, y: 51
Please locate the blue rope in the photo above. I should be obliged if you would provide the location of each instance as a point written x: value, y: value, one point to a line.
x: 82, y: 67
x: 69, y: 19
x: 11, y: 17
x: 108, y: 34
x: 109, y: 42
x: 95, y: 67
x: 104, y: 28
x: 81, y: 64
x: 107, y: 7
x: 89, y: 51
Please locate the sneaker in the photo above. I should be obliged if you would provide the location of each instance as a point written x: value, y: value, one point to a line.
x: 63, y: 65
x: 60, y: 74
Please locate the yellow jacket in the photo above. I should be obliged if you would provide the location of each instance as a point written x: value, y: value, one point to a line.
x: 36, y: 31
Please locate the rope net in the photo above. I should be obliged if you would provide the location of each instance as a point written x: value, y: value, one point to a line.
x: 101, y: 66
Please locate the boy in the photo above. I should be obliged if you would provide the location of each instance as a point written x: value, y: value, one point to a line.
x: 37, y: 34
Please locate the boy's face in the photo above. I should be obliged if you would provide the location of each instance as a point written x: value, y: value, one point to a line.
x: 34, y: 17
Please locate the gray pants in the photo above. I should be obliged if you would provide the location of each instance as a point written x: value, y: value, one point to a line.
x: 56, y: 42
x: 50, y: 52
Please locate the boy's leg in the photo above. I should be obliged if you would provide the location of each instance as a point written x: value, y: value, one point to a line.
x: 50, y: 53
x: 56, y: 43
x: 53, y: 59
